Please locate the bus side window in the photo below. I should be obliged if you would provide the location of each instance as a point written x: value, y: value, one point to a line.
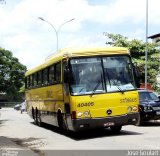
x: 30, y: 81
x: 39, y: 78
x: 51, y: 74
x: 45, y: 76
x: 35, y: 80
x: 58, y: 72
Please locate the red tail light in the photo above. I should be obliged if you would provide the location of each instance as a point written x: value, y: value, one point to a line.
x: 73, y: 114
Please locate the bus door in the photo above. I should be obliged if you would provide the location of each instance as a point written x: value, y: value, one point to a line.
x: 66, y: 94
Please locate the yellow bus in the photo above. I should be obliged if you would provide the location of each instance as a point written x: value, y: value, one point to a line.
x: 80, y: 89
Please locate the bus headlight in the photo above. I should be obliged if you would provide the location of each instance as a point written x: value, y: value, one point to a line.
x: 134, y: 108
x: 79, y: 114
x: 86, y: 114
x: 129, y: 109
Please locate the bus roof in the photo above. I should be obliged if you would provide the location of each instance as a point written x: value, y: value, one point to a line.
x: 79, y: 52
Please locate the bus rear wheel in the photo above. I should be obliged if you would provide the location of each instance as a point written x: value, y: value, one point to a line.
x: 116, y: 129
x: 61, y: 122
x: 38, y: 119
x: 34, y: 115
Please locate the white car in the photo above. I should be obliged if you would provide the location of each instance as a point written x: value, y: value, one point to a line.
x: 17, y: 107
x: 23, y: 107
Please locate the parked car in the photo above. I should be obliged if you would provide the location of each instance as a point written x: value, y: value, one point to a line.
x: 149, y: 106
x: 17, y: 107
x: 23, y: 107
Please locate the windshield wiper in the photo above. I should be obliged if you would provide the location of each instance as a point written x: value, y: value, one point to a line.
x: 97, y: 85
x: 95, y: 88
x: 81, y: 89
x: 119, y: 88
x: 109, y: 80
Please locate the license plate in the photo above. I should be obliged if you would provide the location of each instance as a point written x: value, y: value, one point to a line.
x: 109, y: 124
x: 158, y: 113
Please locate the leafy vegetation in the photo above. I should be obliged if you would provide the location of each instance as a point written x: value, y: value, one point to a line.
x: 11, y: 75
x: 137, y: 49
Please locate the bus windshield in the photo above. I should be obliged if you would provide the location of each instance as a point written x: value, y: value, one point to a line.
x: 101, y: 75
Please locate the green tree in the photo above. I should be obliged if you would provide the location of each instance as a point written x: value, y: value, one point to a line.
x: 137, y: 49
x: 11, y: 75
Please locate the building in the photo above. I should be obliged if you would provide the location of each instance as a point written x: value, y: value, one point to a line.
x: 155, y: 38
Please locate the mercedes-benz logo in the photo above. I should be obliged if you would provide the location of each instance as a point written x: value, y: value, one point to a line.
x: 109, y: 111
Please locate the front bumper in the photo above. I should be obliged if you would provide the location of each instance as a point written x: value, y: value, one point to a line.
x: 91, y: 123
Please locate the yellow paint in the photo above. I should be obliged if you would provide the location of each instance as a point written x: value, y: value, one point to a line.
x: 103, y: 102
x: 51, y: 98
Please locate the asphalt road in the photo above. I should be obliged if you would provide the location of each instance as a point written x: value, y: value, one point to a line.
x: 17, y: 131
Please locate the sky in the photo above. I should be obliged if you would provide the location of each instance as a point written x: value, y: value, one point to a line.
x: 32, y: 40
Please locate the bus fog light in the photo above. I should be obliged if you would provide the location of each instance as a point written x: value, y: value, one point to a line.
x: 79, y: 114
x: 135, y: 108
x: 86, y: 113
x: 129, y: 109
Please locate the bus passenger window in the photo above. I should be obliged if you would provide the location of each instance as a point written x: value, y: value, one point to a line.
x: 40, y: 78
x: 58, y: 72
x: 30, y: 82
x: 45, y: 76
x: 35, y: 80
x: 27, y: 81
x: 51, y: 74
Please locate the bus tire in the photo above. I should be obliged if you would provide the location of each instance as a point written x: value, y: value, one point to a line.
x: 38, y: 118
x: 116, y: 129
x: 33, y: 114
x: 35, y: 117
x: 61, y: 122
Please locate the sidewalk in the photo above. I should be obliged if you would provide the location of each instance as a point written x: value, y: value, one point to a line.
x: 11, y: 148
